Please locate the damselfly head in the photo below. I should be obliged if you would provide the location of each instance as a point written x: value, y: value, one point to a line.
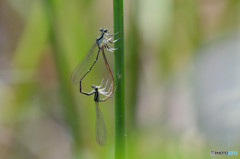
x: 94, y: 87
x: 103, y: 30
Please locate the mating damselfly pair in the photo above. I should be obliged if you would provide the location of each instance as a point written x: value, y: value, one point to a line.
x: 84, y: 68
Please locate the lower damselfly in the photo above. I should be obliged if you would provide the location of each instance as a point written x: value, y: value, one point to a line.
x: 101, y: 132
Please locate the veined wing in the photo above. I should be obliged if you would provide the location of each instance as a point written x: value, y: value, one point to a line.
x: 84, y: 66
x: 101, y: 132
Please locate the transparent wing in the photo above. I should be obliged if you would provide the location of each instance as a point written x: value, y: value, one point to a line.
x: 84, y: 66
x: 101, y: 132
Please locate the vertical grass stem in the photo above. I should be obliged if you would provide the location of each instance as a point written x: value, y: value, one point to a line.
x: 119, y: 81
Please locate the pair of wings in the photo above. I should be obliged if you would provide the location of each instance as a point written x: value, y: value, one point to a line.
x: 101, y: 132
x: 84, y: 66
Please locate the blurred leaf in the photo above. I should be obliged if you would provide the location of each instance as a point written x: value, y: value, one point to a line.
x: 29, y: 52
x: 33, y: 41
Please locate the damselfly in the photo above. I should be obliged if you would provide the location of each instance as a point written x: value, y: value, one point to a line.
x: 79, y: 74
x: 100, y: 122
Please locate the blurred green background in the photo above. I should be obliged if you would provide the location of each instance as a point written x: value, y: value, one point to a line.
x: 182, y: 61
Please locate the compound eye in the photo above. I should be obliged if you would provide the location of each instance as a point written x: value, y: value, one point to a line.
x: 101, y: 29
x: 93, y: 86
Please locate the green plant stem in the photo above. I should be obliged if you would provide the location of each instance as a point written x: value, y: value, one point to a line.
x: 119, y: 81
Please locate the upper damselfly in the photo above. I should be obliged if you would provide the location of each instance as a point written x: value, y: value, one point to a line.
x: 83, y: 68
